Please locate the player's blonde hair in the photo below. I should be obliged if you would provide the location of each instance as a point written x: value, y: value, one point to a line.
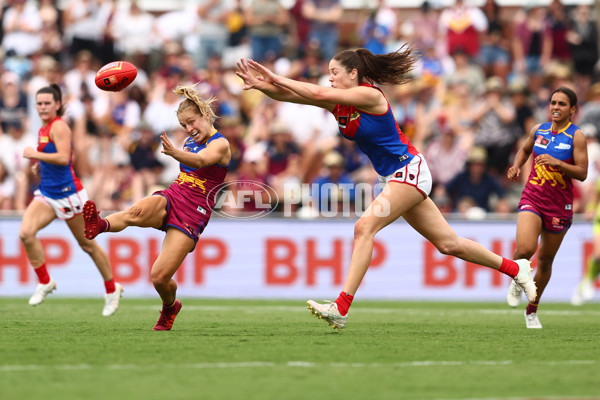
x: 196, y: 102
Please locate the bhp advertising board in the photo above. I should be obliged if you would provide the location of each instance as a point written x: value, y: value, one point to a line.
x: 273, y: 258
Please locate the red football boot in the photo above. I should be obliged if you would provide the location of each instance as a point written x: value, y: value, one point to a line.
x: 167, y: 317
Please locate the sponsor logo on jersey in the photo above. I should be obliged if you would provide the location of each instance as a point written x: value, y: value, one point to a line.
x: 559, y: 222
x: 569, y: 207
x: 343, y: 121
x: 563, y: 146
x: 542, y: 142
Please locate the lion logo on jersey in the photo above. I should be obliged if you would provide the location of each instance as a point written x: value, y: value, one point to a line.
x: 550, y: 175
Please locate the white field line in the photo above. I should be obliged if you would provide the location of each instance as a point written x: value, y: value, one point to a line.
x: 359, y: 310
x: 533, y: 398
x: 289, y: 364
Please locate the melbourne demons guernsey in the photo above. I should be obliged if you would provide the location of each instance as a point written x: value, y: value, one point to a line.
x: 196, y: 185
x: 56, y: 181
x: 377, y: 135
x: 548, y: 187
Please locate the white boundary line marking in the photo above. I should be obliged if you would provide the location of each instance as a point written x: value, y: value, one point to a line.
x: 289, y: 364
x: 378, y: 310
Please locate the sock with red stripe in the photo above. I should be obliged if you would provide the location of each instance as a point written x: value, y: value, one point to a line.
x: 42, y: 274
x: 509, y: 267
x: 110, y: 286
x: 343, y: 302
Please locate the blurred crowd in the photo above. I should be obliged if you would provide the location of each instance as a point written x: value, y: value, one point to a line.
x: 483, y: 80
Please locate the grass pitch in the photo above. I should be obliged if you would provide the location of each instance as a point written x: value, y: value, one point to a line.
x: 237, y: 349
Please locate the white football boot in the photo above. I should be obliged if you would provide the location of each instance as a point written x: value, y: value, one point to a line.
x: 111, y: 300
x: 41, y: 291
x: 329, y: 313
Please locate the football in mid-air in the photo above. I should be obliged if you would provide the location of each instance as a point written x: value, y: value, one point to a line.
x: 115, y: 76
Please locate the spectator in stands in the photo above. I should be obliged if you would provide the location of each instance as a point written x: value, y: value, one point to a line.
x: 13, y: 103
x: 283, y: 157
x: 458, y: 111
x: 142, y: 154
x: 462, y: 24
x: 494, y: 56
x: 333, y: 191
x: 423, y: 29
x: 12, y: 145
x: 133, y: 32
x: 80, y: 80
x: 212, y: 32
x: 495, y: 117
x: 22, y: 29
x: 82, y: 26
x: 447, y: 152
x: 52, y: 38
x: 583, y: 42
x: 559, y: 23
x: 233, y: 128
x: 266, y: 21
x: 374, y: 35
x: 7, y: 188
x: 476, y: 183
x: 387, y: 17
x: 300, y: 27
x: 462, y: 69
x: 107, y: 52
x: 159, y: 112
x: 324, y: 16
x: 112, y: 175
x: 519, y: 96
x: 120, y: 114
x: 590, y: 111
x: 532, y: 41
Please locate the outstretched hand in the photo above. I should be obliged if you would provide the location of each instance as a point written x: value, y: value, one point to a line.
x: 253, y: 74
x: 265, y: 73
x: 168, y: 147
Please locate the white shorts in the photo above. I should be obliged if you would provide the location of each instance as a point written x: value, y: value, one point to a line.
x: 416, y: 173
x: 67, y: 207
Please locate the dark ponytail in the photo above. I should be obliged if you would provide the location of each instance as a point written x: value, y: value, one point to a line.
x: 56, y: 93
x: 383, y: 68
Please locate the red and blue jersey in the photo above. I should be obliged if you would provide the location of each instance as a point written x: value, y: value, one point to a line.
x: 548, y: 187
x: 377, y: 135
x: 56, y: 181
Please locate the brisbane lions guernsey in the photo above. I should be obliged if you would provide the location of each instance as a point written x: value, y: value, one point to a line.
x: 56, y: 181
x: 377, y: 135
x: 195, y: 186
x: 548, y: 187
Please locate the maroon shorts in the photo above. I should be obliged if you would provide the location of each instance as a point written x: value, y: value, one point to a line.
x: 183, y: 215
x: 552, y: 222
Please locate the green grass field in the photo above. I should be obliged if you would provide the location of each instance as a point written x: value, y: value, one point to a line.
x: 234, y: 349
